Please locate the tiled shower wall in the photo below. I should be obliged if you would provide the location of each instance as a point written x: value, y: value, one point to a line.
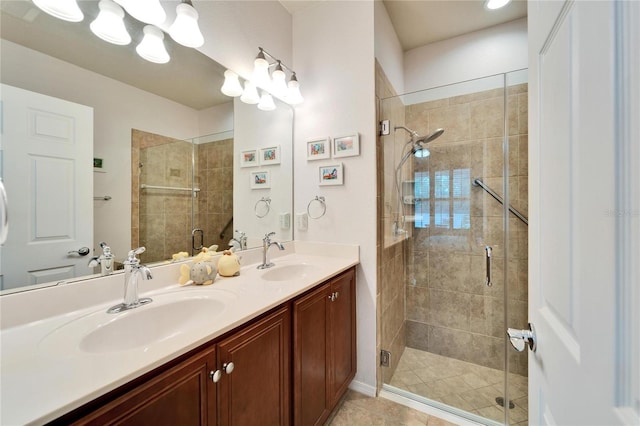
x: 161, y: 219
x: 391, y: 253
x: 450, y: 310
x: 214, y: 177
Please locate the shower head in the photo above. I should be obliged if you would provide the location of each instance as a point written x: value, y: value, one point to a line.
x: 431, y: 137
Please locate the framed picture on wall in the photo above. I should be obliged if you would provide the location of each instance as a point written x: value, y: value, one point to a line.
x: 249, y: 158
x: 260, y: 179
x: 318, y: 149
x: 346, y: 146
x: 270, y: 155
x: 331, y: 175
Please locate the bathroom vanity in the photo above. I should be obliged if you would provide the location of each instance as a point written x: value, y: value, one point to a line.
x: 278, y: 346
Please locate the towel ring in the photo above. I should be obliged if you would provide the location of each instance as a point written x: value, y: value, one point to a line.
x: 322, y: 202
x: 263, y: 204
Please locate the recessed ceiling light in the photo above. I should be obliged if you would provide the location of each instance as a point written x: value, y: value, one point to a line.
x: 496, y: 4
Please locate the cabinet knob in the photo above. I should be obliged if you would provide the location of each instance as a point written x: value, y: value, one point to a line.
x: 228, y: 367
x: 337, y: 294
x: 215, y: 376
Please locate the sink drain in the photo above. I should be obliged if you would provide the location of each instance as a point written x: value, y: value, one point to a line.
x: 500, y: 401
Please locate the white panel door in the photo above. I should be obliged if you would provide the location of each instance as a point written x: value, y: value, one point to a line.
x: 581, y: 372
x: 47, y: 148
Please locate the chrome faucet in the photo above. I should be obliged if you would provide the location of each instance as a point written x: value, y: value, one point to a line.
x: 105, y: 260
x: 239, y: 243
x: 132, y: 271
x: 266, y: 243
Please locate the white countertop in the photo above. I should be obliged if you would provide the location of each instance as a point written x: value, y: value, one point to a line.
x: 40, y: 380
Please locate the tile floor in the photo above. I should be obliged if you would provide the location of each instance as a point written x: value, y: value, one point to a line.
x: 357, y: 409
x: 460, y: 384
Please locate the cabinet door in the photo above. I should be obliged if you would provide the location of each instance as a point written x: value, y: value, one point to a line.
x: 182, y: 395
x: 257, y: 391
x: 342, y: 334
x: 310, y: 370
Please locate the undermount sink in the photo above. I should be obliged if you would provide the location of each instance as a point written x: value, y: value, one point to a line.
x: 289, y: 272
x: 168, y: 316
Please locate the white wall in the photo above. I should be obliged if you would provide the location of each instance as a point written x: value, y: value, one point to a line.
x: 479, y: 54
x: 268, y: 129
x: 233, y: 31
x: 117, y: 109
x: 388, y: 50
x: 216, y: 119
x: 333, y: 50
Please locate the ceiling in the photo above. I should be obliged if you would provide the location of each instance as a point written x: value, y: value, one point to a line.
x: 420, y: 22
x: 190, y: 78
x: 416, y: 22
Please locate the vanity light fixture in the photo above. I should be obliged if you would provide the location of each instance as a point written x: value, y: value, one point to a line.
x: 496, y: 4
x: 109, y: 24
x: 152, y: 47
x: 274, y: 85
x: 260, y: 75
x: 67, y: 10
x: 279, y: 85
x: 266, y: 102
x: 293, y: 96
x: 231, y: 86
x: 147, y: 11
x: 185, y: 29
x: 250, y: 94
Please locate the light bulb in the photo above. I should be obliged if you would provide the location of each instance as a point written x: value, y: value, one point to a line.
x: 294, y: 97
x: 279, y: 85
x: 250, y: 94
x: 147, y: 11
x: 260, y: 77
x: 184, y: 29
x: 66, y: 10
x: 266, y: 102
x: 109, y: 25
x: 231, y: 86
x: 152, y: 47
x: 496, y: 4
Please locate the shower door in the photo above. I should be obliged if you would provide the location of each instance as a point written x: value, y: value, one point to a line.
x: 454, y: 268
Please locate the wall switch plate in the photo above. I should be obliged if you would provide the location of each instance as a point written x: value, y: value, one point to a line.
x: 285, y: 220
x: 302, y: 221
x: 384, y: 127
x: 385, y: 358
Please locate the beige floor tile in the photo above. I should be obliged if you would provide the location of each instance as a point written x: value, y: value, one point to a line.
x: 461, y: 384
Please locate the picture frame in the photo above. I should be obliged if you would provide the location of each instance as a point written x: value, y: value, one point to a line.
x: 318, y: 149
x: 260, y: 179
x: 269, y: 155
x: 249, y: 158
x: 331, y: 174
x: 346, y: 146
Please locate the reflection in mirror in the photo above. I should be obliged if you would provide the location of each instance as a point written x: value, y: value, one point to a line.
x: 181, y: 194
x: 124, y: 92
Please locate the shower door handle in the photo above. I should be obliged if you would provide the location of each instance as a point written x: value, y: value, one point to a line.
x: 521, y: 338
x: 488, y: 250
x: 193, y: 238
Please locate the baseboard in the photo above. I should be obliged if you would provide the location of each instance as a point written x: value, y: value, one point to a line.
x: 363, y: 388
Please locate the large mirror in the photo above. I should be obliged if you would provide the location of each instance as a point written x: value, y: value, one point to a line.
x: 135, y: 107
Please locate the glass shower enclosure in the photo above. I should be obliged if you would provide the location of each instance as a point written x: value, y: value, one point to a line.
x: 453, y: 220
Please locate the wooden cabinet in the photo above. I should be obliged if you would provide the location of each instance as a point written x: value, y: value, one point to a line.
x: 257, y: 391
x: 182, y: 395
x: 245, y: 377
x: 324, y: 348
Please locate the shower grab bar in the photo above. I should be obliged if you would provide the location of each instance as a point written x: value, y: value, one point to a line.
x: 145, y: 186
x: 516, y: 213
x: 488, y: 281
